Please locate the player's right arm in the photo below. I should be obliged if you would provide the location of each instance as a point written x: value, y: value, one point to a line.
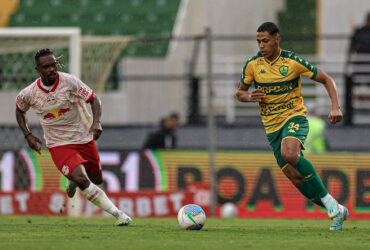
x: 34, y: 142
x: 245, y: 82
x: 244, y: 95
x: 22, y: 103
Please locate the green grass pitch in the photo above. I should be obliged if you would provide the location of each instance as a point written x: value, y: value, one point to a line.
x: 35, y: 232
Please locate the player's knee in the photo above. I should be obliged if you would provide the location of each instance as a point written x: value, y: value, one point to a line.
x: 97, y: 180
x: 81, y: 180
x: 290, y: 156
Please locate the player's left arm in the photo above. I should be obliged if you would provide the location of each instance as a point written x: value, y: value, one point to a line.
x: 87, y: 94
x: 96, y: 127
x: 329, y: 83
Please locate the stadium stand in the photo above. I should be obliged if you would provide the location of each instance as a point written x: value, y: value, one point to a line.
x: 105, y: 17
x: 290, y: 25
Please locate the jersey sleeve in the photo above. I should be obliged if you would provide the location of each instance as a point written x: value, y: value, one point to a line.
x: 82, y: 90
x: 305, y: 68
x: 247, y: 74
x: 22, y: 101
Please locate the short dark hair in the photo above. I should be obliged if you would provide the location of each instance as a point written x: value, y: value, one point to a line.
x: 174, y: 115
x: 41, y: 53
x: 270, y: 27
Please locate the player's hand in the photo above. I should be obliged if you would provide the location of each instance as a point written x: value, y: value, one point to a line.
x: 335, y: 116
x: 257, y: 95
x: 96, y: 129
x: 34, y: 143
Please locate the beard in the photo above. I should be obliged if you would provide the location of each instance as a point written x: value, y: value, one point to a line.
x: 51, y: 79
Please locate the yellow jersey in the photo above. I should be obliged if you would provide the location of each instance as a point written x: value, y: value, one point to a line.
x: 280, y: 80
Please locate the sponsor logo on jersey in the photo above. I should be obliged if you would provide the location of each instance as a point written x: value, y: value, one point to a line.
x: 273, y: 108
x: 277, y: 89
x: 56, y: 114
x: 65, y: 170
x: 262, y: 71
x: 84, y: 92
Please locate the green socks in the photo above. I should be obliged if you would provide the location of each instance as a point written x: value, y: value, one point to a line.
x: 312, y: 188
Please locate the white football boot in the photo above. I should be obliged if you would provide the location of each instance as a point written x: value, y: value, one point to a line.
x: 123, y: 219
x: 339, y: 219
x: 333, y: 208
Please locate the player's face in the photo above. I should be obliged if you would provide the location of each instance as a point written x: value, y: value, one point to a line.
x: 268, y: 44
x: 172, y: 123
x: 47, y: 67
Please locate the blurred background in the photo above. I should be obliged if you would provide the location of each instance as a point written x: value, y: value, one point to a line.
x: 147, y: 59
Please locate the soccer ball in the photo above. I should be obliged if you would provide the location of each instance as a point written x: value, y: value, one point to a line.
x: 229, y: 210
x: 191, y: 217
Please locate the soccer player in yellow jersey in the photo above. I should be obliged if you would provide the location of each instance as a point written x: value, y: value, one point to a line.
x: 276, y: 74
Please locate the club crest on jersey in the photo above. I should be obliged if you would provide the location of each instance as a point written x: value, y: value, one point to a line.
x: 284, y: 70
x: 65, y: 170
x: 51, y: 99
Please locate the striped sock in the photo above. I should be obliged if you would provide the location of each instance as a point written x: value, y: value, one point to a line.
x: 98, y: 197
x: 312, y: 188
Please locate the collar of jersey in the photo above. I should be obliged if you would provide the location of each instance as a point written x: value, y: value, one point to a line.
x: 45, y: 90
x: 273, y: 62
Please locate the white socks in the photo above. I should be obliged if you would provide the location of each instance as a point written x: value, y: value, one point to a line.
x: 326, y: 198
x: 97, y: 196
x: 341, y: 208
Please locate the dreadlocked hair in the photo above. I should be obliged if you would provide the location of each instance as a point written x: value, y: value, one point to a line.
x: 46, y: 52
x: 41, y: 53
